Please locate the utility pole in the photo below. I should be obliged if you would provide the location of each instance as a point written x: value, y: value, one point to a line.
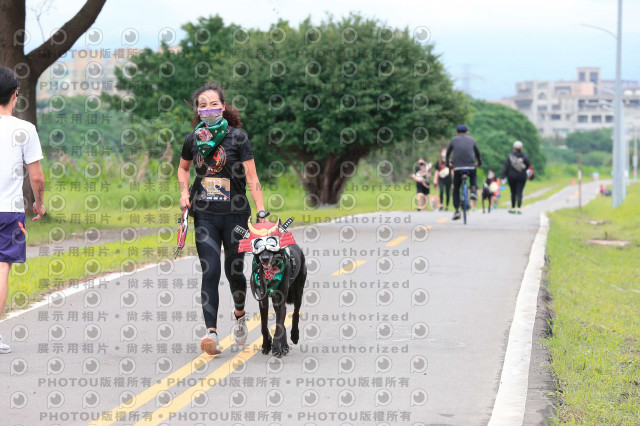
x: 619, y: 188
x: 580, y: 179
x: 635, y: 153
x: 619, y: 153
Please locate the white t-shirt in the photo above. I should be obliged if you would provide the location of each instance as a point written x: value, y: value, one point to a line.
x: 19, y: 143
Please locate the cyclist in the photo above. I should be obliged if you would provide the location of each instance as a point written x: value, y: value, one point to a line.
x: 466, y: 156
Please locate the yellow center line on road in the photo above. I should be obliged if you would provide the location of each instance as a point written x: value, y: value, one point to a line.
x: 574, y: 195
x: 164, y: 384
x: 444, y: 219
x: 347, y: 269
x: 397, y: 241
x: 424, y: 228
x: 179, y: 402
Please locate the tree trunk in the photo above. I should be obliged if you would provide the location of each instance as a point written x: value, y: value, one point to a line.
x: 328, y: 185
x: 30, y: 67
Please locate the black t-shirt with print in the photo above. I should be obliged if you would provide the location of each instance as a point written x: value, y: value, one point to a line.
x: 223, y: 186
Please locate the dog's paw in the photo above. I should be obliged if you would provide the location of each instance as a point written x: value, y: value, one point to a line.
x: 266, y: 346
x: 276, y: 349
x: 285, y: 348
x: 295, y: 336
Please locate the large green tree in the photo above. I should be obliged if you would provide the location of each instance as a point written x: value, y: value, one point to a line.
x: 317, y: 98
x: 324, y: 97
x: 495, y: 127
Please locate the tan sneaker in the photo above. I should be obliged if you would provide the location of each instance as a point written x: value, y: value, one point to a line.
x: 209, y: 343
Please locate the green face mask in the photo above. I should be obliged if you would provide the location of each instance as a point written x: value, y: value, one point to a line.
x: 209, y: 137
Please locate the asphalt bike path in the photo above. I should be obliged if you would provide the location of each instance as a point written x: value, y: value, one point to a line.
x: 405, y: 319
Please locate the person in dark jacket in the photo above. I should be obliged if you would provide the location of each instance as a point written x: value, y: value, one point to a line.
x: 515, y: 170
x: 466, y: 156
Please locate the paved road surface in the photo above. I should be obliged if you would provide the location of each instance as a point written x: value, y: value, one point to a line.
x: 406, y: 317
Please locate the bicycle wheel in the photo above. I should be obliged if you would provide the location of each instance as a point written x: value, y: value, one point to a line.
x: 465, y: 203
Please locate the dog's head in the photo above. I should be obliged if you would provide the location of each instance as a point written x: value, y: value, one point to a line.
x: 267, y: 251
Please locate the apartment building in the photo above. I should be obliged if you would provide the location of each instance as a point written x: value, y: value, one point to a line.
x: 560, y: 107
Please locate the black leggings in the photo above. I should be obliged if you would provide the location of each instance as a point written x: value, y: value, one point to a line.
x: 517, y: 187
x: 445, y: 189
x: 210, y: 230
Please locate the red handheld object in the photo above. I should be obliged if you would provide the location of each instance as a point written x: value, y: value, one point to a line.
x: 183, y: 225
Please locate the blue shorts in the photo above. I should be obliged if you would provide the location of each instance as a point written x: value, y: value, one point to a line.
x: 13, y: 241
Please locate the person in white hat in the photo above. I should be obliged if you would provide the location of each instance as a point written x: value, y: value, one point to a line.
x: 515, y: 170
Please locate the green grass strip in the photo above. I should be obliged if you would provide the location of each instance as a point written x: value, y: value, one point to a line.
x: 595, y: 345
x: 30, y: 281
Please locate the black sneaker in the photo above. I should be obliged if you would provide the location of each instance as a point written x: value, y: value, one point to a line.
x: 457, y: 216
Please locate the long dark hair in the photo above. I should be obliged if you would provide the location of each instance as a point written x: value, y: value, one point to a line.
x: 231, y: 114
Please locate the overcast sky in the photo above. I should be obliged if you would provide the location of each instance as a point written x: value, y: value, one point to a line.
x: 498, y: 42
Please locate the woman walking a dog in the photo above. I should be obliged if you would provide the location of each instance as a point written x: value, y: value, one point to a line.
x: 223, y: 159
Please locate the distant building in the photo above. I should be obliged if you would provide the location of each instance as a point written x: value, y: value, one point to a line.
x: 83, y: 72
x: 560, y: 107
x: 88, y: 72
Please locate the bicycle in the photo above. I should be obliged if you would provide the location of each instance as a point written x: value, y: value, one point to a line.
x: 465, y: 191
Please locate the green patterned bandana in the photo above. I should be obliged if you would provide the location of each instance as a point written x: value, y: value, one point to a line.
x: 209, y: 137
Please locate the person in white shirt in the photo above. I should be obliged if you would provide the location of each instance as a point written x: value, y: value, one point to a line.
x: 19, y: 144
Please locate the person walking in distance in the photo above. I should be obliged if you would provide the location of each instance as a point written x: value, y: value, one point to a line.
x: 442, y: 178
x: 515, y: 171
x: 422, y: 177
x: 466, y: 157
x: 20, y: 144
x: 490, y: 191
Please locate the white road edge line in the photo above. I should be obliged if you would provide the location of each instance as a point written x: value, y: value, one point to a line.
x: 82, y: 287
x: 511, y: 399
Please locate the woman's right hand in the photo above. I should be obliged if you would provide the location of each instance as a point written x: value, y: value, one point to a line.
x: 184, y: 201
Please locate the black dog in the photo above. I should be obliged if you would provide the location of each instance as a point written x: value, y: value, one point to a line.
x: 279, y: 271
